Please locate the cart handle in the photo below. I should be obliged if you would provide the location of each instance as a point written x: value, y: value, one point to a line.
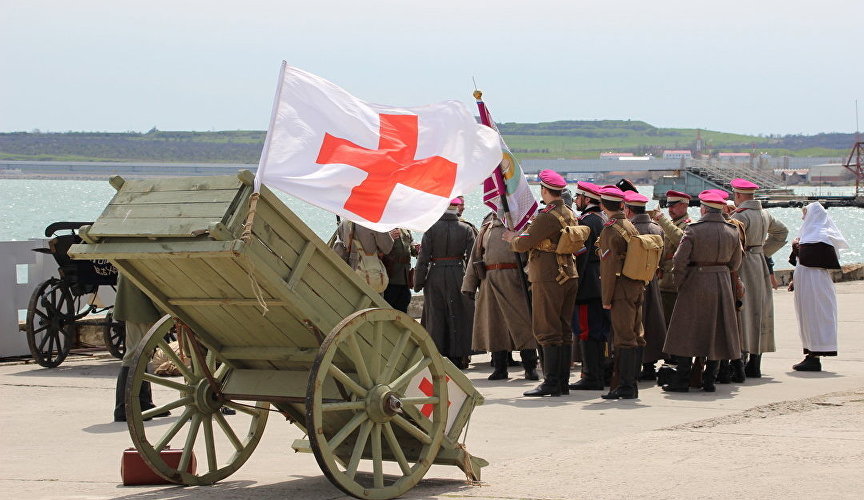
x: 60, y: 226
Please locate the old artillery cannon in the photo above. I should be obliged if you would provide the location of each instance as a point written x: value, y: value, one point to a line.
x: 273, y: 320
x: 57, y: 304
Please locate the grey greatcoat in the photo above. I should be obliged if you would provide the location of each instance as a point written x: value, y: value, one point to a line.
x: 704, y: 322
x: 763, y: 235
x: 448, y: 315
x: 653, y: 321
x: 501, y: 318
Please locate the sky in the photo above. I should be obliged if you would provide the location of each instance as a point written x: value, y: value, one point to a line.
x: 754, y: 67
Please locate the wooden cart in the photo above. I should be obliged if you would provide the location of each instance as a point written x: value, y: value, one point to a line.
x: 275, y: 321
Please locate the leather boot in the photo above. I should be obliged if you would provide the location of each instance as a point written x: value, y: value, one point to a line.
x: 499, y: 362
x: 810, y: 364
x: 648, y: 372
x: 120, y: 395
x: 592, y: 361
x: 145, y: 396
x: 510, y: 360
x: 709, y: 376
x: 627, y: 363
x: 753, y: 369
x: 564, y: 368
x: 681, y: 381
x: 551, y: 370
x: 529, y: 363
x: 724, y: 372
x: 737, y: 367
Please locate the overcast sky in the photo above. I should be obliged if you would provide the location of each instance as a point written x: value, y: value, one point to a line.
x: 756, y: 66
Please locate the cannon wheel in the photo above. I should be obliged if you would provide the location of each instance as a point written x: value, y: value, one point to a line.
x: 114, y: 335
x: 374, y: 398
x: 208, y: 430
x: 49, y: 327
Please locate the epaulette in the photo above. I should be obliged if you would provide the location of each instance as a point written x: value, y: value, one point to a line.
x: 611, y: 221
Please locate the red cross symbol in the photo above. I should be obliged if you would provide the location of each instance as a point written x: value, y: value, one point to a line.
x: 392, y: 163
x: 426, y: 388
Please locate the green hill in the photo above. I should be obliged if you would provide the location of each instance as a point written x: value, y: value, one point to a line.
x: 560, y: 139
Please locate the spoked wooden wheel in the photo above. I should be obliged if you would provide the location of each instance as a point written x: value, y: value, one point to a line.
x: 114, y: 335
x: 221, y: 448
x: 359, y: 408
x: 49, y: 326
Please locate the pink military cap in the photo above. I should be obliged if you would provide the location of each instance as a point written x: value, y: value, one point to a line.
x: 457, y: 201
x: 588, y: 189
x: 611, y: 193
x: 719, y: 192
x: 711, y: 199
x: 635, y: 199
x: 551, y: 179
x: 743, y: 186
x: 676, y: 196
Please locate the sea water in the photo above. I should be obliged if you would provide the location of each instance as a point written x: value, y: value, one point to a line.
x: 28, y: 206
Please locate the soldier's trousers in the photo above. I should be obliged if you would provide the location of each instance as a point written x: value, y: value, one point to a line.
x: 627, y: 313
x: 591, y: 321
x: 552, y: 311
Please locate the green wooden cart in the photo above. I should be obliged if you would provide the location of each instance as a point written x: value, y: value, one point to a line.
x: 275, y: 322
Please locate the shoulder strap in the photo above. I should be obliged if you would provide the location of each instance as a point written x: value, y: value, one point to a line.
x: 622, y: 232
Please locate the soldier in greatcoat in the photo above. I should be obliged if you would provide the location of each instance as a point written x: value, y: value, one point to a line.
x: 704, y: 322
x: 591, y: 323
x: 763, y: 235
x: 621, y: 295
x: 502, y: 322
x: 673, y: 229
x: 554, y: 282
x: 653, y: 321
x: 398, y: 265
x: 448, y: 315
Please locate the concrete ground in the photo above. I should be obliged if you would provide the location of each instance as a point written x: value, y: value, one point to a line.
x: 788, y: 434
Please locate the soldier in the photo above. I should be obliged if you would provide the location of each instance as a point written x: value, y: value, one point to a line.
x: 348, y: 233
x: 673, y: 229
x: 653, y: 321
x: 704, y: 321
x: 621, y: 295
x: 398, y: 265
x: 448, y: 315
x: 502, y: 322
x: 553, y: 285
x: 590, y: 321
x: 763, y: 236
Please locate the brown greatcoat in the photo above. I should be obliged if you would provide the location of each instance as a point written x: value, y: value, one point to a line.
x: 552, y: 303
x: 502, y: 321
x: 704, y: 322
x: 620, y: 292
x: 653, y: 321
x: 764, y: 235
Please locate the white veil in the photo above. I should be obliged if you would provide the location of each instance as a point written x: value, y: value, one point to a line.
x: 819, y: 228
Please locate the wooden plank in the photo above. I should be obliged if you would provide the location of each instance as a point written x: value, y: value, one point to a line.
x: 271, y: 383
x: 271, y: 353
x: 138, y: 249
x: 225, y: 302
x: 212, y: 196
x: 300, y: 264
x: 182, y: 184
x: 180, y: 228
x: 165, y: 211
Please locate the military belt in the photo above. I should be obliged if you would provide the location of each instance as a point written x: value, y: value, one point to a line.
x: 492, y: 267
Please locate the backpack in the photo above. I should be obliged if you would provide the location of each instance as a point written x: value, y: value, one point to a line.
x: 643, y: 255
x: 371, y: 269
x: 572, y: 239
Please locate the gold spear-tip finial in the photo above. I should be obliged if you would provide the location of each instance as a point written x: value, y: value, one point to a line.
x: 478, y: 94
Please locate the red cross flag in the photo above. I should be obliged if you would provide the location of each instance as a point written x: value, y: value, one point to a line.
x: 379, y: 166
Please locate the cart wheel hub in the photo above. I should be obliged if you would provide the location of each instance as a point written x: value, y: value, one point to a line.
x: 382, y: 404
x: 205, y: 399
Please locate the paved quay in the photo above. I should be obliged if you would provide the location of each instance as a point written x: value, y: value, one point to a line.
x: 788, y: 434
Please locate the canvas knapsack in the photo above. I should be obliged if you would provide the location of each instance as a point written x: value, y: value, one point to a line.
x: 643, y: 255
x: 572, y: 238
x: 371, y: 269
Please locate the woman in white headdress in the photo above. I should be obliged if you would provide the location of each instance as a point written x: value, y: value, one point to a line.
x: 814, y: 253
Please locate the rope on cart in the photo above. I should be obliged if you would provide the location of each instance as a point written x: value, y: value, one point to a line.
x: 246, y: 237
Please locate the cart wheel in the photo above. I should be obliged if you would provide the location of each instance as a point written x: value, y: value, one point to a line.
x: 366, y: 417
x: 114, y: 335
x: 49, y: 329
x: 220, y: 448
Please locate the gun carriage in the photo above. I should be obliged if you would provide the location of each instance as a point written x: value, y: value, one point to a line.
x: 274, y: 321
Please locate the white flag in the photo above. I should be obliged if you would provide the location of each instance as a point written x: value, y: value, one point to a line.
x: 379, y: 166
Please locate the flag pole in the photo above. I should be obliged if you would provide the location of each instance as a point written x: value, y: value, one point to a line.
x: 486, y: 119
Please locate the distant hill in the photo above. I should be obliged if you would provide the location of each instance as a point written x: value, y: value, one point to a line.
x: 560, y: 139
